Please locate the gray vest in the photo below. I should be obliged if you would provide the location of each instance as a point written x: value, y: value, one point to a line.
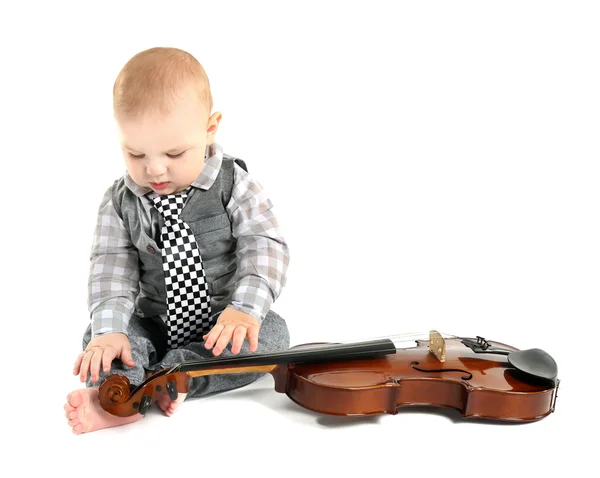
x: 206, y: 215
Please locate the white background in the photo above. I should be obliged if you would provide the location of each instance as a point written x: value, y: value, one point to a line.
x: 434, y: 165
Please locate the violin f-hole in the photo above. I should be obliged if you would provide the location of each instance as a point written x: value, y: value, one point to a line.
x: 468, y: 375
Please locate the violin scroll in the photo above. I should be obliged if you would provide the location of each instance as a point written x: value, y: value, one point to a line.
x: 118, y: 397
x: 115, y: 390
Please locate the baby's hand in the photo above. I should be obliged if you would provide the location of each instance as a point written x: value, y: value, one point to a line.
x: 103, y: 350
x: 236, y: 324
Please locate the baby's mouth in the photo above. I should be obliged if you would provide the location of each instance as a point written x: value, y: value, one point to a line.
x: 159, y: 185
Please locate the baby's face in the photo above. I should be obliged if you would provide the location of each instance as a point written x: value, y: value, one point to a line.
x: 166, y: 153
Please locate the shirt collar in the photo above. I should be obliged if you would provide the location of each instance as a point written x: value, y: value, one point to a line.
x: 210, y: 171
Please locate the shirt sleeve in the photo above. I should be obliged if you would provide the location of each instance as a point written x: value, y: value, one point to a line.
x: 262, y: 253
x: 114, y: 275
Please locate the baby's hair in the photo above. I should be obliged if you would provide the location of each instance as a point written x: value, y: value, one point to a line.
x: 152, y: 79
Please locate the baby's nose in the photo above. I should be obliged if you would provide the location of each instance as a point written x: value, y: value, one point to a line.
x: 156, y: 168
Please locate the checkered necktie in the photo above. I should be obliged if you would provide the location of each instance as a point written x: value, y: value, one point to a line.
x: 188, y: 302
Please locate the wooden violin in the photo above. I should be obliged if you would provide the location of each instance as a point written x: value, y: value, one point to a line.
x: 477, y: 377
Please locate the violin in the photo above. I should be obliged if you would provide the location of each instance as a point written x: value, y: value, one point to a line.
x: 478, y: 377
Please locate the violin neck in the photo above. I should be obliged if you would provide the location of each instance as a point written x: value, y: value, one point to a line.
x: 301, y: 354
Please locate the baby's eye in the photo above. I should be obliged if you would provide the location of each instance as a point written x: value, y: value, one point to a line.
x: 137, y: 157
x: 174, y: 156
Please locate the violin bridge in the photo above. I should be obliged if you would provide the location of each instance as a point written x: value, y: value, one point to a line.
x: 437, y: 345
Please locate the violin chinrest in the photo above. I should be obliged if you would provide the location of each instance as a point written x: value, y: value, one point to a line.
x: 534, y: 362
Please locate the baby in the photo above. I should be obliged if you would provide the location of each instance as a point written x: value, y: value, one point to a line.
x: 187, y: 258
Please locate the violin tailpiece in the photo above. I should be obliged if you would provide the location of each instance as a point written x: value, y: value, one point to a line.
x: 437, y: 345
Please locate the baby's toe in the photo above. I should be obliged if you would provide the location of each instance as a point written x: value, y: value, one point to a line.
x: 78, y: 429
x: 75, y: 399
x: 71, y: 414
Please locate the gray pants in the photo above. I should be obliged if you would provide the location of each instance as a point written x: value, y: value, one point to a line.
x: 148, y: 338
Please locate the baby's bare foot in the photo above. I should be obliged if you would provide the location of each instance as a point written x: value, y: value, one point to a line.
x: 169, y: 406
x: 85, y: 414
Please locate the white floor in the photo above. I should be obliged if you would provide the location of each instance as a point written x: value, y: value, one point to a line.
x: 434, y: 165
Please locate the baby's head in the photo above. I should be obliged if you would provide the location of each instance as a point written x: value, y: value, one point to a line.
x: 162, y: 104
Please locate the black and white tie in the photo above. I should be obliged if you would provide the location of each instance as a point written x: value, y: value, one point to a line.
x: 188, y: 302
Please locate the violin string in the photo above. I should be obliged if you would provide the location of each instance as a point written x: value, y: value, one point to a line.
x: 402, y: 337
x: 355, y: 344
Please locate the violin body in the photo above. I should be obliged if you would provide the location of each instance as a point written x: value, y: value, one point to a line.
x: 476, y: 384
x: 479, y: 378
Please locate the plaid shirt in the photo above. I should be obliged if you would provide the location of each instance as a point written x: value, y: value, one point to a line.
x: 262, y: 253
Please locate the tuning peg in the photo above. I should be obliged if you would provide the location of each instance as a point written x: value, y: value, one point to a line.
x: 145, y: 403
x: 172, y: 389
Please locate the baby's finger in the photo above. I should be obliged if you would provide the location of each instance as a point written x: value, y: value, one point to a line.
x: 209, y: 339
x: 252, y: 334
x: 224, y: 339
x: 126, y: 356
x: 238, y: 339
x: 107, y: 357
x: 78, y: 363
x: 95, y: 364
x: 85, y: 365
x: 213, y: 335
